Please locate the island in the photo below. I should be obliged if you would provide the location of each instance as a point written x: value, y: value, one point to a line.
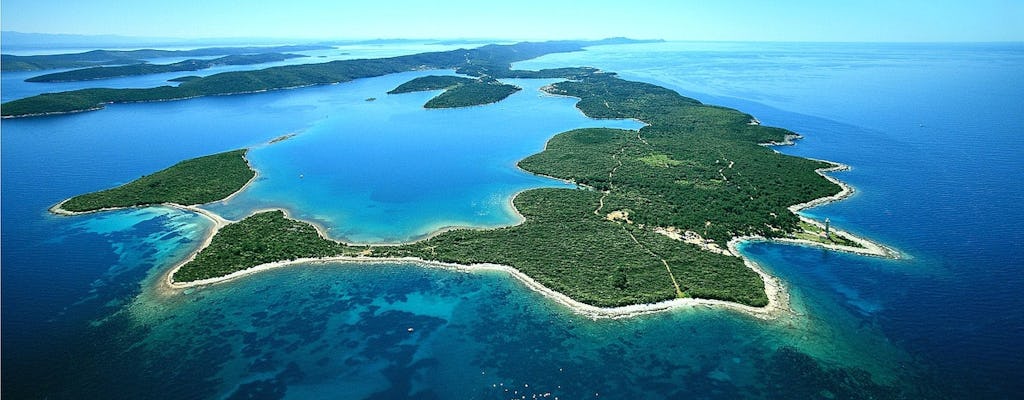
x: 97, y: 73
x: 487, y: 61
x: 196, y: 181
x: 458, y: 91
x: 653, y: 222
x: 10, y: 62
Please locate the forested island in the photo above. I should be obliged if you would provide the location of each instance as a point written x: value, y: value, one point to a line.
x: 196, y: 181
x: 458, y: 91
x: 649, y: 221
x: 487, y: 61
x: 96, y: 73
x: 10, y: 62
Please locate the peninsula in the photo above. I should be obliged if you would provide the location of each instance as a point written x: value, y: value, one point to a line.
x: 196, y: 181
x: 655, y: 217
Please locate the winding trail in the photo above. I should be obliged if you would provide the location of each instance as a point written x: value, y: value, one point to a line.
x: 600, y: 206
x: 600, y: 202
x: 679, y: 292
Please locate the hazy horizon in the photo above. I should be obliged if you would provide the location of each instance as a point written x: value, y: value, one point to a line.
x: 738, y: 20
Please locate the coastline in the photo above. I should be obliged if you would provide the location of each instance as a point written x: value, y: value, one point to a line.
x: 59, y: 209
x: 778, y: 297
x: 868, y: 247
x: 546, y: 91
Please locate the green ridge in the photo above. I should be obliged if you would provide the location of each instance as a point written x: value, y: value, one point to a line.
x: 96, y: 73
x: 10, y: 62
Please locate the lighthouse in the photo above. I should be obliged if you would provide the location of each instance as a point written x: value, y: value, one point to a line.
x: 828, y: 235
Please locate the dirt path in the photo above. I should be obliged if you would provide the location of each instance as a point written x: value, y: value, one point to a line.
x: 600, y: 202
x: 679, y: 291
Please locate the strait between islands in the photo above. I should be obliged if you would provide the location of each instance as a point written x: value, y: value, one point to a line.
x: 653, y: 224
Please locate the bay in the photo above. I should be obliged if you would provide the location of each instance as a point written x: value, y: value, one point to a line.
x: 931, y: 131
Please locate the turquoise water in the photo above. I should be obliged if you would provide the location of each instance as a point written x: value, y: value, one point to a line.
x: 932, y: 133
x: 383, y: 171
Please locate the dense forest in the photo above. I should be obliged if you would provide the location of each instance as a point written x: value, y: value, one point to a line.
x: 568, y: 248
x: 196, y: 181
x: 259, y: 239
x: 458, y: 91
x: 694, y: 167
x: 431, y: 82
x: 96, y: 73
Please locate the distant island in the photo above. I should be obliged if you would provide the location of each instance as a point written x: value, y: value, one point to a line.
x: 96, y: 73
x: 653, y: 222
x: 95, y: 58
x: 458, y: 91
x: 492, y: 61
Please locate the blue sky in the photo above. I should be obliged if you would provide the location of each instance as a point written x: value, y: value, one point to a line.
x: 784, y: 20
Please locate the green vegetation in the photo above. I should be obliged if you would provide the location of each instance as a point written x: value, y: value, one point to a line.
x: 96, y: 58
x: 458, y: 91
x: 659, y: 160
x: 694, y: 167
x: 432, y: 82
x: 492, y: 59
x: 814, y: 233
x: 259, y: 239
x: 472, y: 94
x: 722, y: 185
x: 196, y: 181
x: 95, y: 73
x: 568, y: 248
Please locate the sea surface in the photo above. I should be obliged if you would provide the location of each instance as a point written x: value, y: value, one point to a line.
x: 933, y: 133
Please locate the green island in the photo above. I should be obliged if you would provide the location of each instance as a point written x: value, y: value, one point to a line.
x: 95, y: 58
x: 693, y: 168
x: 196, y: 181
x: 491, y: 60
x: 458, y: 91
x: 96, y: 73
x: 649, y: 221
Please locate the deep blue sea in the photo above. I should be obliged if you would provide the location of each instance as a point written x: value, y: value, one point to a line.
x: 933, y: 133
